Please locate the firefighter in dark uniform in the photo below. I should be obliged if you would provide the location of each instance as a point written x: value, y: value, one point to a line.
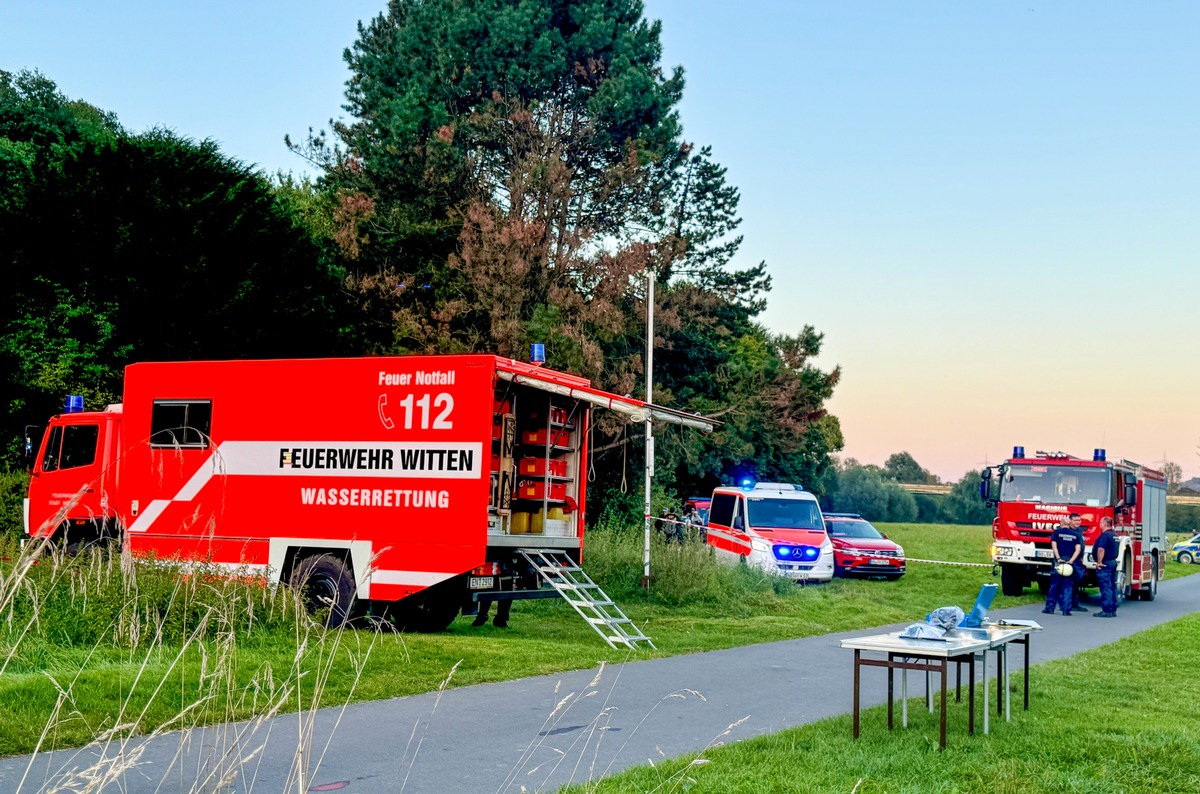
x: 1067, y: 548
x: 1080, y: 570
x: 1104, y: 551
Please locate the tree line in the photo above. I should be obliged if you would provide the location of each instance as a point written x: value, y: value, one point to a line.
x: 508, y: 172
x: 874, y: 492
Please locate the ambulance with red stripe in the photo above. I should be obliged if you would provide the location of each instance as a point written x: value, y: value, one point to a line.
x: 404, y: 487
x: 777, y: 527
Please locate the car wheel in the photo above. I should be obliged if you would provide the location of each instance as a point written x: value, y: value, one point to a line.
x: 1185, y: 558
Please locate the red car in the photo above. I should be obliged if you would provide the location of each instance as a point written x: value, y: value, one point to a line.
x: 860, y: 549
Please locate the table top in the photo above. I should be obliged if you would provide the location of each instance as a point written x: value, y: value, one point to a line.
x: 954, y: 643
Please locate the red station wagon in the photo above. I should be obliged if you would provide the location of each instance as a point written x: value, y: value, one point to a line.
x: 860, y: 549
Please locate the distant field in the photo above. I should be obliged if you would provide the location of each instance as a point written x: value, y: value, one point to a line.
x: 695, y: 605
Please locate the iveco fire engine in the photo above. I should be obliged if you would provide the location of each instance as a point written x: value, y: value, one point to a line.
x: 1033, y: 494
x: 773, y: 526
x: 406, y: 485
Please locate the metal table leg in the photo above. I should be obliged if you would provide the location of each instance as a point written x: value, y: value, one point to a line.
x: 971, y: 698
x: 891, y: 675
x: 943, y: 735
x: 1007, y: 695
x: 904, y: 697
x: 928, y: 694
x: 1026, y: 643
x: 986, y: 707
x: 857, y: 660
x: 958, y: 682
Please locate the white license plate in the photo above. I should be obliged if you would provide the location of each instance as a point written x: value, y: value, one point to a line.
x: 879, y: 561
x: 482, y: 582
x: 1045, y: 553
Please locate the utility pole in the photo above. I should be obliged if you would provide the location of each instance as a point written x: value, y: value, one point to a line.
x: 649, y: 423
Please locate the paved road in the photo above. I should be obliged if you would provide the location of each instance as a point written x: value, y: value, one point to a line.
x: 500, y: 737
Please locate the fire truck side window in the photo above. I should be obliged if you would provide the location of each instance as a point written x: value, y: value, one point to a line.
x: 181, y: 423
x: 50, y: 459
x: 79, y: 446
x: 721, y: 510
x: 71, y: 447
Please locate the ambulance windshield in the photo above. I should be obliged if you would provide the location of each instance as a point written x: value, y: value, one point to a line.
x: 784, y: 513
x: 1060, y: 485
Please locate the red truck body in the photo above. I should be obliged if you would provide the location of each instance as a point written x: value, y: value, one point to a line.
x: 1032, y: 494
x: 421, y: 473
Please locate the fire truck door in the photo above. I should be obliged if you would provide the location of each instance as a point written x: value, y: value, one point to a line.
x: 68, y: 476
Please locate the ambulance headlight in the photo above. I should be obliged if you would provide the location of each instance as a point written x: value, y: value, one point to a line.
x: 759, y: 545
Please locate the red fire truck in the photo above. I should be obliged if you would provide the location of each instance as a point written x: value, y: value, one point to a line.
x: 400, y: 485
x: 1032, y: 494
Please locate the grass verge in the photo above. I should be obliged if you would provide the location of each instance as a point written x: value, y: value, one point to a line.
x: 1106, y: 720
x: 85, y: 639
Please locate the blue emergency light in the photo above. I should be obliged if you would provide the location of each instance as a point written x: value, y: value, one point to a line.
x: 1018, y: 452
x: 74, y: 404
x: 537, y: 353
x: 748, y: 484
x: 1098, y: 454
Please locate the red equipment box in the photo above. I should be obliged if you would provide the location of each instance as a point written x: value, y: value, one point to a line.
x: 542, y: 466
x: 534, y: 489
x: 558, y: 438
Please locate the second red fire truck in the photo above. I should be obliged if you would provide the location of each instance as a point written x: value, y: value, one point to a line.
x: 1033, y: 493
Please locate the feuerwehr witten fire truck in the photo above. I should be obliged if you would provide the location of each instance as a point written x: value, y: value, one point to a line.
x: 408, y: 486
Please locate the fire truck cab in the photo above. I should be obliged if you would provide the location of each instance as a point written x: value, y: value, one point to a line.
x: 1033, y: 494
x: 777, y: 527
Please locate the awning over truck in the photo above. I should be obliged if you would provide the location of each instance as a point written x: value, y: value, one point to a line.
x: 634, y: 409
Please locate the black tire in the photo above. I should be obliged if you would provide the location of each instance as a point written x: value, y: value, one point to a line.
x: 1150, y: 591
x: 1012, y: 580
x: 1185, y: 557
x: 1125, y: 581
x: 326, y: 587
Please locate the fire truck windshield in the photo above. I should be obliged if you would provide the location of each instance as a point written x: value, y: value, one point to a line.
x: 784, y: 513
x: 1062, y: 485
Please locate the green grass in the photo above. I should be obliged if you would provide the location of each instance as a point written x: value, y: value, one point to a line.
x: 694, y: 605
x: 1113, y: 719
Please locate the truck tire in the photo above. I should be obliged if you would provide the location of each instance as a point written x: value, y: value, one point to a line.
x: 1150, y: 591
x: 1125, y: 580
x: 326, y: 586
x: 1012, y: 580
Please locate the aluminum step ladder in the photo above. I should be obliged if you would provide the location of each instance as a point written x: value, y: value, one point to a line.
x: 592, y: 603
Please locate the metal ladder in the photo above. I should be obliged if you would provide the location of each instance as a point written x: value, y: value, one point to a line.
x: 592, y: 603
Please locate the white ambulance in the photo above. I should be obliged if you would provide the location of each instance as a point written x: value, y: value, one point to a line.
x: 777, y: 527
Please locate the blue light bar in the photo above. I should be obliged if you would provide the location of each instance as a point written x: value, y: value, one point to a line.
x: 1098, y: 454
x: 1018, y: 452
x: 74, y: 404
x: 537, y: 353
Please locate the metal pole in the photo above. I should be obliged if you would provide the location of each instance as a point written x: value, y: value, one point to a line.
x: 649, y: 426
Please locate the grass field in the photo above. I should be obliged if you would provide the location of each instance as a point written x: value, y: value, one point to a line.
x: 78, y: 668
x: 1113, y: 719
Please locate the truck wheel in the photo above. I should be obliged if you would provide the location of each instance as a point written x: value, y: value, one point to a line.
x: 1124, y: 580
x: 1012, y: 580
x: 325, y: 584
x: 1150, y: 592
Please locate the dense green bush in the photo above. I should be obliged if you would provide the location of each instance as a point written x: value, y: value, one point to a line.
x: 1184, y: 519
x: 13, y: 487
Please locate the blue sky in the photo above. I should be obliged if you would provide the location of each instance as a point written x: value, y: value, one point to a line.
x: 990, y: 209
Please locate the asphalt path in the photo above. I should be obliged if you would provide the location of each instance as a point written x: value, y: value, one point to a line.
x: 539, y: 733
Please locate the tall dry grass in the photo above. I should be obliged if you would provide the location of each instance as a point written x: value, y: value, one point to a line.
x: 175, y: 639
